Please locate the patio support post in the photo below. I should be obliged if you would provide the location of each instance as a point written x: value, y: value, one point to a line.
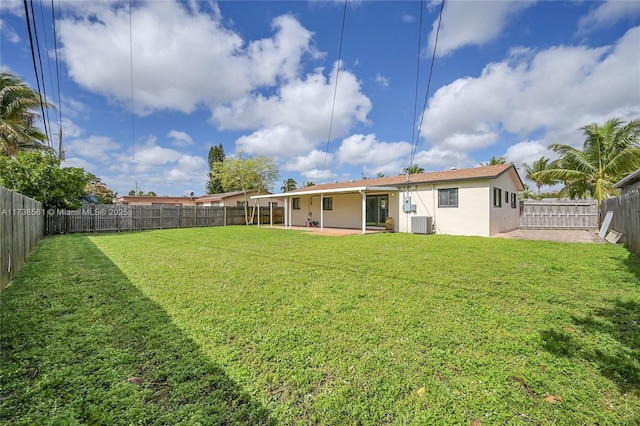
x: 287, y: 213
x: 270, y: 214
x: 364, y: 211
x: 321, y: 212
x: 258, y: 214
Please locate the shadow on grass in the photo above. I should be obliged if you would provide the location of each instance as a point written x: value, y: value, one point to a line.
x: 632, y: 262
x: 619, y: 358
x: 79, y: 343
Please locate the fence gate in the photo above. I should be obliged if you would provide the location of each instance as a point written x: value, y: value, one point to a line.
x: 559, y: 214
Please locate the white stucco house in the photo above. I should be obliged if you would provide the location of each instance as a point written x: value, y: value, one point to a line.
x: 479, y: 201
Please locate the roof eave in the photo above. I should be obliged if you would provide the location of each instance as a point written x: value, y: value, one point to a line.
x: 346, y: 190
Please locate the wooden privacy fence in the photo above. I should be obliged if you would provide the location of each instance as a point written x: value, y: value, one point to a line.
x: 559, y: 214
x: 21, y: 227
x: 626, y: 218
x: 116, y: 217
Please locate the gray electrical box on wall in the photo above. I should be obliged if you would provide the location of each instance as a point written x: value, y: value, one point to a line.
x: 407, y: 207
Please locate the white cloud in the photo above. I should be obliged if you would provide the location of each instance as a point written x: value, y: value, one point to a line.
x: 302, y: 104
x: 557, y: 90
x: 278, y: 141
x: 313, y: 160
x: 165, y: 38
x: 97, y: 148
x: 527, y: 152
x: 384, y: 81
x: 472, y: 22
x: 180, y: 138
x: 8, y: 33
x: 439, y: 158
x: 608, y: 13
x: 367, y: 150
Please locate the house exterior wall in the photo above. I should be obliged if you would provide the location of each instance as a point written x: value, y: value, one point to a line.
x: 471, y: 217
x: 307, y: 210
x: 507, y: 217
x: 631, y: 188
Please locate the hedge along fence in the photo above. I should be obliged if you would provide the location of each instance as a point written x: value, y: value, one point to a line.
x: 117, y: 217
x: 21, y: 227
x: 626, y: 218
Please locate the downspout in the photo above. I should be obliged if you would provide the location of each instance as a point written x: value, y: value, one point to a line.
x: 433, y: 205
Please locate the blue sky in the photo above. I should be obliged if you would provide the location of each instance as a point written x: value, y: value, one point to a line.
x: 145, y: 93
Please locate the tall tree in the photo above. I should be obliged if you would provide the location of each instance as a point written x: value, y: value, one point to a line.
x: 216, y: 156
x: 289, y: 185
x: 494, y: 161
x: 38, y: 175
x: 18, y: 106
x: 308, y: 183
x: 249, y: 175
x: 413, y: 170
x: 609, y: 152
x: 538, y: 166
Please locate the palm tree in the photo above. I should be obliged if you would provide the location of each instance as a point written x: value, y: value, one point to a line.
x: 289, y: 185
x: 539, y: 165
x: 609, y: 153
x: 494, y: 161
x: 308, y: 183
x: 412, y: 170
x: 17, y: 116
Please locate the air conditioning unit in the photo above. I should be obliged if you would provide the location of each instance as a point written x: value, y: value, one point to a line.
x: 421, y: 225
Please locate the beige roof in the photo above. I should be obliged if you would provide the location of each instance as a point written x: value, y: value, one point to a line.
x: 486, y: 172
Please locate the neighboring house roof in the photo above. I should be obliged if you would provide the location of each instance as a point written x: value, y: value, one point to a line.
x: 222, y: 196
x: 629, y: 179
x: 392, y: 182
x: 131, y: 198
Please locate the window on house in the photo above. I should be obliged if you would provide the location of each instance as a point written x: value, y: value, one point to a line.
x: 296, y: 203
x: 273, y: 204
x: 514, y: 200
x: 506, y: 197
x: 241, y: 203
x: 327, y: 203
x: 497, y: 197
x: 448, y: 197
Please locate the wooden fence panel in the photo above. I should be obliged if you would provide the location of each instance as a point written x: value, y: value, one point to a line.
x: 21, y: 228
x: 626, y: 218
x: 559, y: 214
x: 117, y: 218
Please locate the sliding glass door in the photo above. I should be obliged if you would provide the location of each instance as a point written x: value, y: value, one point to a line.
x: 377, y: 209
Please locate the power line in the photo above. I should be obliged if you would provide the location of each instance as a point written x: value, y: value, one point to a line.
x: 44, y: 86
x: 55, y: 47
x: 133, y: 127
x: 415, y: 99
x: 335, y: 87
x: 35, y: 67
x: 426, y: 96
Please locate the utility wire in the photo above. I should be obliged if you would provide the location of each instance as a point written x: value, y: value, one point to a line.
x: 426, y: 96
x: 55, y: 48
x: 44, y: 86
x: 335, y: 87
x: 133, y: 126
x: 35, y: 67
x: 415, y: 99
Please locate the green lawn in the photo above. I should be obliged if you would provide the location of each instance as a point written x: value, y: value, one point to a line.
x: 251, y: 326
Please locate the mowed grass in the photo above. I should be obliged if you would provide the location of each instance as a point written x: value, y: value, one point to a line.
x: 242, y: 325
